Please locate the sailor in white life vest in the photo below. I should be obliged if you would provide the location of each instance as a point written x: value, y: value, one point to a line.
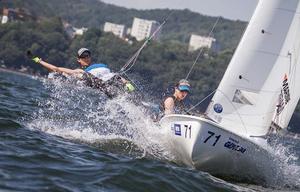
x: 98, y: 70
x: 98, y: 73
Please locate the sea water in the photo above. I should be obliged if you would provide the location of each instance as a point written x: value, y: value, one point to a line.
x: 61, y: 136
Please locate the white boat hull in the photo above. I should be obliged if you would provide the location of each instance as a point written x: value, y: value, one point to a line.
x: 201, y: 143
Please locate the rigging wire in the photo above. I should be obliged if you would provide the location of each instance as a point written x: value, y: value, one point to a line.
x: 135, y: 85
x: 131, y: 62
x: 201, y: 50
x: 239, y: 115
x: 196, y: 60
x: 194, y: 106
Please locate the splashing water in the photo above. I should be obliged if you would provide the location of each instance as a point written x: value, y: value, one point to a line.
x: 285, y: 150
x: 76, y: 112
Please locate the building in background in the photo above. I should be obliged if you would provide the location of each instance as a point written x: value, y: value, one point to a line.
x: 80, y: 31
x: 142, y: 29
x: 116, y: 29
x: 73, y: 31
x: 197, y: 41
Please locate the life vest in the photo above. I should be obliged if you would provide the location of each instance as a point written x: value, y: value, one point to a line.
x: 111, y: 87
x: 179, y: 107
x: 100, y: 71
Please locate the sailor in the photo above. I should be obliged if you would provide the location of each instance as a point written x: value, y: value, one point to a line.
x: 174, y: 103
x: 95, y: 75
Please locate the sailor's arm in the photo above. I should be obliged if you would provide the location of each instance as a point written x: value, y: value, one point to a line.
x: 53, y: 68
x: 169, y: 106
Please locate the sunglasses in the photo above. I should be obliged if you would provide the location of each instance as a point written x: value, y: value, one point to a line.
x: 84, y: 55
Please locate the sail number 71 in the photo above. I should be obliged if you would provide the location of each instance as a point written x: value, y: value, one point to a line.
x: 211, y: 135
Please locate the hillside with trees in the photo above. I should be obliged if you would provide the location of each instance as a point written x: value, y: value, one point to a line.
x: 159, y: 63
x: 162, y: 61
x: 94, y: 13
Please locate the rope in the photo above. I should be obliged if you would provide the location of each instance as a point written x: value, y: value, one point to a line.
x: 201, y: 50
x: 193, y: 107
x: 239, y: 115
x: 131, y: 62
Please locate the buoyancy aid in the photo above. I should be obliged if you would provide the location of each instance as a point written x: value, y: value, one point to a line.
x: 100, y: 71
x: 178, y: 105
x: 99, y: 76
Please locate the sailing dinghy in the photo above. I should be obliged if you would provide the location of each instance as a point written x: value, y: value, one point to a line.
x: 257, y: 95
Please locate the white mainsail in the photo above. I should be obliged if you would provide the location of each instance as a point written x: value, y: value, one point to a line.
x: 260, y: 85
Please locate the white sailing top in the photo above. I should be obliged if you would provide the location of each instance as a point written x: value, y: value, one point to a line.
x: 100, y: 71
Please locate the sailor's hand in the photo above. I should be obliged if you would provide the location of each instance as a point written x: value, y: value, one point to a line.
x: 129, y: 87
x: 36, y: 59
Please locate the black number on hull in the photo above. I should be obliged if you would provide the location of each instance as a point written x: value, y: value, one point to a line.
x: 217, y: 139
x: 211, y: 134
x: 188, y: 131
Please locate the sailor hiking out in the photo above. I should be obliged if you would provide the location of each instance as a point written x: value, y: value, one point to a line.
x: 94, y: 75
